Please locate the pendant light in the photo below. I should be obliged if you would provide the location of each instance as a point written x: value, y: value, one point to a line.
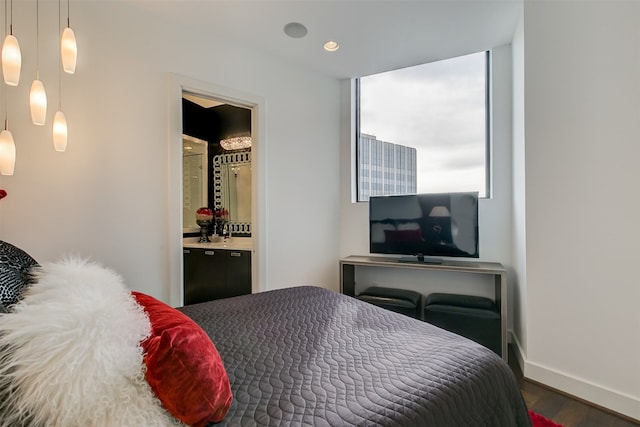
x: 38, y: 102
x: 11, y: 56
x: 59, y: 131
x: 7, y: 151
x: 59, y: 119
x: 236, y: 143
x: 38, y: 96
x: 68, y: 47
x: 7, y: 145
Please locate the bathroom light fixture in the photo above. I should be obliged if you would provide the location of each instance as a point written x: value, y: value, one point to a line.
x: 331, y: 46
x: 236, y: 143
x: 11, y: 56
x: 68, y: 47
x: 38, y: 96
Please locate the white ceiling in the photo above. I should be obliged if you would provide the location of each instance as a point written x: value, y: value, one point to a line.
x: 374, y: 36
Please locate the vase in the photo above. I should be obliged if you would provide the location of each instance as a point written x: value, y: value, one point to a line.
x: 204, y: 230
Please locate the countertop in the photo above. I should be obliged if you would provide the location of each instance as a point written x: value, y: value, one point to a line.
x: 234, y: 243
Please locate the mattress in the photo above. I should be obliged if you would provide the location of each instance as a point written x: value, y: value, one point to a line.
x: 310, y: 356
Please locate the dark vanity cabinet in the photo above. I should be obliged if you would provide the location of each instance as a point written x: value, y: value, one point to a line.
x: 215, y: 273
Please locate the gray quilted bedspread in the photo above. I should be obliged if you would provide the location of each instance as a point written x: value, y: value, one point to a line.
x: 309, y: 356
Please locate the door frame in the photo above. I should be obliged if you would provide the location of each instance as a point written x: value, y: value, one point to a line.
x: 178, y: 84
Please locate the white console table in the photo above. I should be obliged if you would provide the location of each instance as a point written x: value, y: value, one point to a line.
x: 348, y: 266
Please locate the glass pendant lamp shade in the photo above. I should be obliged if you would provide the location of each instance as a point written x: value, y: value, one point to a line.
x: 59, y: 131
x: 38, y: 103
x: 68, y: 50
x: 7, y: 153
x: 11, y: 60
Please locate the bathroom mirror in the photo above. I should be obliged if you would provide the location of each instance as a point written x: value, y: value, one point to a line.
x: 194, y: 180
x: 232, y: 189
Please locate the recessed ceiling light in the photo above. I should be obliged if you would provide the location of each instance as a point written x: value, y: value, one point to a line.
x: 295, y: 30
x: 331, y: 46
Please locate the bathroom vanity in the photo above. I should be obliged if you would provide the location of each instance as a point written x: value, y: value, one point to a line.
x: 216, y: 270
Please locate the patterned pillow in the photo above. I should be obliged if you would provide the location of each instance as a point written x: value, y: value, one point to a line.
x: 15, y: 273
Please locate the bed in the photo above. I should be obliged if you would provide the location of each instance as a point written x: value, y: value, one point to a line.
x: 79, y: 348
x: 309, y: 356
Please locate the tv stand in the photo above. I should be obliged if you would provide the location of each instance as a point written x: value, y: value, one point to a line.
x: 418, y: 259
x: 348, y: 284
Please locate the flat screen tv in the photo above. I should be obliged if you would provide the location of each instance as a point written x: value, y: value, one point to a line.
x: 424, y: 226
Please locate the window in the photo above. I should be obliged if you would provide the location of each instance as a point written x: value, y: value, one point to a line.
x: 424, y: 129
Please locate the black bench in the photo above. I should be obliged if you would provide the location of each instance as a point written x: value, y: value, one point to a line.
x: 399, y: 300
x: 476, y: 318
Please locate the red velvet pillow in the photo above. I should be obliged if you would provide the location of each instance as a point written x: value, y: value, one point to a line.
x: 184, y: 368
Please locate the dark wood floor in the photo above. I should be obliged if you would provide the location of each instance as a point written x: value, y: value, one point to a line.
x: 563, y: 409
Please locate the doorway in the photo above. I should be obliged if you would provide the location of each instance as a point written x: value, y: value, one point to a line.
x: 210, y: 94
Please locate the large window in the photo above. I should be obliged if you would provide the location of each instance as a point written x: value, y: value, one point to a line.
x: 424, y: 129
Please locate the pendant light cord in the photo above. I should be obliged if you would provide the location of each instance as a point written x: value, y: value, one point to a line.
x: 6, y: 108
x: 5, y: 91
x: 5, y: 16
x: 8, y: 25
x: 6, y: 111
x: 37, y: 39
x: 60, y: 61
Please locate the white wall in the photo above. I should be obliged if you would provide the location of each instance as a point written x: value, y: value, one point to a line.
x: 581, y: 109
x: 107, y: 197
x: 519, y: 283
x: 494, y: 213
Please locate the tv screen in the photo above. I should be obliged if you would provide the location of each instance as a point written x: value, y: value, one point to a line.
x: 431, y: 225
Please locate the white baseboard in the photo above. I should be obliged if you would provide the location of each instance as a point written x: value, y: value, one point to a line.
x: 596, y: 394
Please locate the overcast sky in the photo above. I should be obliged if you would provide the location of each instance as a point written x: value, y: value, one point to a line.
x: 438, y: 108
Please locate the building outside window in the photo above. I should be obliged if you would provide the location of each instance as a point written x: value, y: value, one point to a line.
x: 390, y: 170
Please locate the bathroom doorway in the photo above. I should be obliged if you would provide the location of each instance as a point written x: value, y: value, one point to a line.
x: 181, y: 87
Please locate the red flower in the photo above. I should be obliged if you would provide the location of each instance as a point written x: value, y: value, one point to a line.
x: 204, y: 214
x: 221, y: 213
x: 204, y: 211
x: 3, y: 194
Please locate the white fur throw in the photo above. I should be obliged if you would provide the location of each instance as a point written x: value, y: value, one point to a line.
x: 70, y: 353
